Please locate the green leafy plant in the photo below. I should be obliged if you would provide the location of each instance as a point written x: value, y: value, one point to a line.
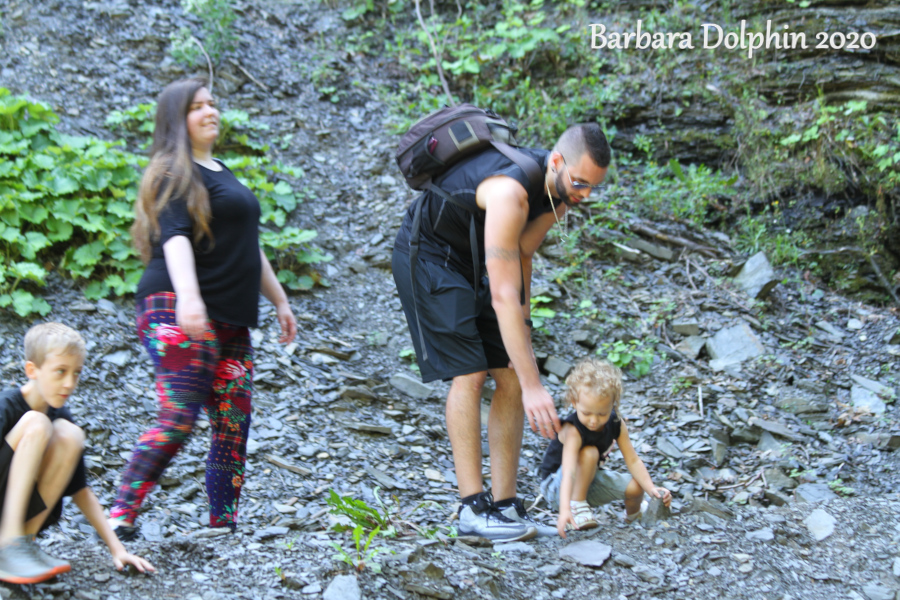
x: 539, y: 312
x: 635, y: 357
x: 216, y: 32
x: 409, y: 354
x: 837, y: 485
x: 365, y: 556
x: 388, y: 518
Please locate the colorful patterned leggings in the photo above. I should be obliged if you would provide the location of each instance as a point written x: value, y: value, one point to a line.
x: 216, y: 372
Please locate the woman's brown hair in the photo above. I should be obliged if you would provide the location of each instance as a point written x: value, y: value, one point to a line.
x: 171, y: 172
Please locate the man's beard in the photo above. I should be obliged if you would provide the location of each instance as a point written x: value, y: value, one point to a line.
x: 561, y: 193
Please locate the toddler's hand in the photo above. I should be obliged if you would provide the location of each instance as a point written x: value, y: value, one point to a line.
x: 664, y: 494
x: 565, y: 517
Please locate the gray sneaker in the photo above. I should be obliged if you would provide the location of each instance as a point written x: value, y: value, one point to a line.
x: 486, y: 521
x: 20, y: 564
x: 59, y: 566
x: 517, y: 512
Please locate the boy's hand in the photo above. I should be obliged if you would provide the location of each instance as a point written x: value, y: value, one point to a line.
x: 124, y: 558
x: 666, y: 495
x: 565, y: 517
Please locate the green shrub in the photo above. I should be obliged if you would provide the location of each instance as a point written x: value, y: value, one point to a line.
x: 66, y: 204
x: 216, y: 33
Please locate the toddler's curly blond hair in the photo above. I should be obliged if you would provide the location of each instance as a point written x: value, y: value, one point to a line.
x: 598, y: 378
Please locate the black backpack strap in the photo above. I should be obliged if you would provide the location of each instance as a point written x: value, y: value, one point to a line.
x: 413, y: 260
x: 526, y: 163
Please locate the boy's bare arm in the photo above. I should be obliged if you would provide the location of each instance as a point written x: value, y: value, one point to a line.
x: 90, y: 507
x: 637, y: 468
x: 571, y: 441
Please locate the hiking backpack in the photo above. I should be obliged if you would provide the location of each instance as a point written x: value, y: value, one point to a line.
x: 435, y: 144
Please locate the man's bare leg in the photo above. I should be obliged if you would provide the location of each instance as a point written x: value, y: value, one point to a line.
x: 505, y: 426
x: 463, y: 413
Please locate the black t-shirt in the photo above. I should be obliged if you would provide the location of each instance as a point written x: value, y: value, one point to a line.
x: 13, y: 406
x: 602, y: 439
x: 229, y: 269
x: 444, y: 233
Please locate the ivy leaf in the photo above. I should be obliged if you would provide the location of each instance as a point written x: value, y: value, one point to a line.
x: 89, y: 254
x: 35, y: 241
x: 60, y: 185
x: 96, y: 290
x: 29, y: 271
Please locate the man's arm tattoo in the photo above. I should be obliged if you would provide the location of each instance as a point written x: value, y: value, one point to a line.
x: 501, y: 253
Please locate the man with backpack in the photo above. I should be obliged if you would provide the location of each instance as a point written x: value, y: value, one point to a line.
x: 462, y: 265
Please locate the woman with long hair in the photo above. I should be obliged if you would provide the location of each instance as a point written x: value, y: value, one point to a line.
x: 196, y: 229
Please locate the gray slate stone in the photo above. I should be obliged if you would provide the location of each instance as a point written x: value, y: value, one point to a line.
x: 689, y: 327
x: 831, y: 330
x: 874, y: 386
x: 590, y: 553
x: 668, y: 447
x: 656, y: 511
x: 557, y: 366
x: 119, y: 359
x: 649, y: 574
x: 411, y: 387
x: 712, y: 507
x: 799, y: 405
x: 768, y: 443
x: 584, y: 338
x: 691, y: 346
x: 343, y: 587
x: 896, y: 567
x: 776, y: 479
x: 762, y: 535
x: 514, y: 548
x: 820, y: 524
x: 813, y: 493
x: 654, y: 250
x: 877, y: 591
x: 757, y: 277
x: 775, y: 428
x: 733, y: 345
x: 719, y: 451
x: 863, y: 399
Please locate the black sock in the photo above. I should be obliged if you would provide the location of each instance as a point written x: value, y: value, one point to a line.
x: 501, y: 504
x: 471, y: 500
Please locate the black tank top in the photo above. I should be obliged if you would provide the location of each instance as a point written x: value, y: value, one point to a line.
x: 602, y: 439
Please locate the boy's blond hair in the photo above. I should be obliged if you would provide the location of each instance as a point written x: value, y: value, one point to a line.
x: 47, y: 338
x: 598, y: 378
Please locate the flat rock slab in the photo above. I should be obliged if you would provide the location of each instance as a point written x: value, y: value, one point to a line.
x: 411, y: 387
x: 654, y: 250
x: 669, y: 448
x: 877, y: 591
x: 820, y: 524
x: 656, y: 511
x: 813, y: 493
x: 343, y: 587
x: 733, y: 345
x: 713, y: 507
x: 557, y: 366
x: 775, y: 428
x: 757, y: 277
x: 515, y: 548
x: 776, y: 479
x: 874, y: 386
x: 649, y: 574
x: 799, y: 405
x: 689, y: 327
x: 590, y: 553
x: 119, y: 359
x: 867, y: 400
x: 762, y: 535
x: 768, y: 443
x: 691, y: 346
x: 831, y: 330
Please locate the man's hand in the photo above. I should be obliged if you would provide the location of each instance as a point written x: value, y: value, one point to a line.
x: 541, y: 412
x: 124, y: 558
x: 190, y: 314
x: 565, y: 517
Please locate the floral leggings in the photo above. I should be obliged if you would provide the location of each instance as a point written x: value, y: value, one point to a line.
x: 216, y: 372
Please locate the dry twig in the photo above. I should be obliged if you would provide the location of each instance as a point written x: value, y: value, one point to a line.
x: 249, y: 76
x: 208, y: 62
x: 437, y: 55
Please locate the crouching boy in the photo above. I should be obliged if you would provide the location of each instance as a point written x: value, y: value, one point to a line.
x: 570, y: 478
x: 41, y: 459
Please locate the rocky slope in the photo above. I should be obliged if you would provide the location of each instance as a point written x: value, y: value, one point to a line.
x: 762, y: 471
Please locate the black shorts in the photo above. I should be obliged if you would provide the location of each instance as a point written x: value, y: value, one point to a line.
x: 35, y: 503
x: 460, y: 331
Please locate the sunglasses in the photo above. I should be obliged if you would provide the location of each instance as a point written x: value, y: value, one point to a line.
x: 577, y: 185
